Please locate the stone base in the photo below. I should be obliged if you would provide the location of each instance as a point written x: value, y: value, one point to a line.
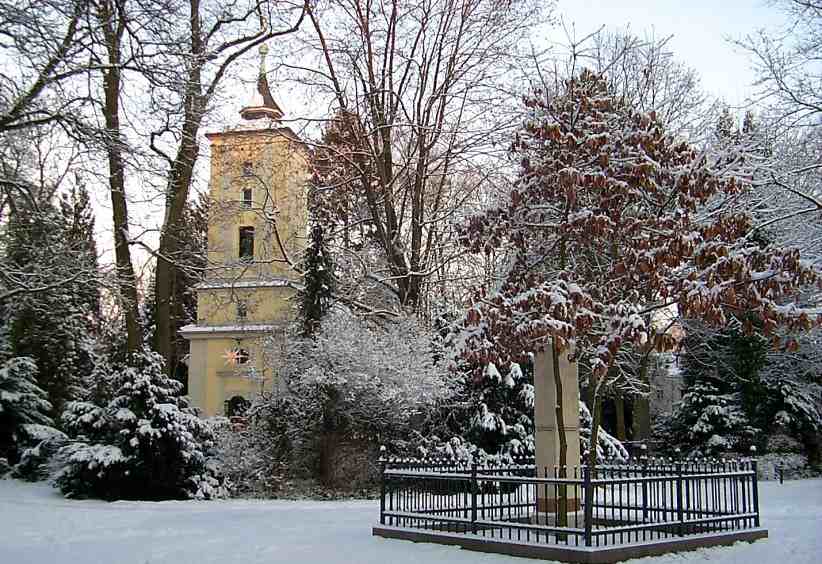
x: 587, y: 555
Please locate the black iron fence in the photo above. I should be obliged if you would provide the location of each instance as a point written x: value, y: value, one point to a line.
x: 612, y: 504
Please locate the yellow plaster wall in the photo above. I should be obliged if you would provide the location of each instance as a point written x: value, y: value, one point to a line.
x: 264, y: 305
x: 278, y: 185
x: 278, y: 181
x: 225, y: 380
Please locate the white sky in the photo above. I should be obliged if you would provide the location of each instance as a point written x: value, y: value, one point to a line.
x: 699, y: 29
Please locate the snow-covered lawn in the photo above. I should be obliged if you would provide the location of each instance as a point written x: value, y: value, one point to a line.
x: 38, y: 526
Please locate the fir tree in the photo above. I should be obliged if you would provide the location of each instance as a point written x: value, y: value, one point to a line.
x: 143, y: 444
x: 501, y: 417
x: 22, y: 403
x: 55, y: 327
x: 78, y: 220
x: 317, y: 296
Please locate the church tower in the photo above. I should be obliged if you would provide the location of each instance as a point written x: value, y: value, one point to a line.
x: 257, y: 223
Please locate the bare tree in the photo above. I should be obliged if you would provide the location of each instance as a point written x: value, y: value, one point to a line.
x: 426, y: 91
x: 41, y: 48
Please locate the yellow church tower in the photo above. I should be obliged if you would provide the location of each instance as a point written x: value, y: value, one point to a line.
x: 257, y: 224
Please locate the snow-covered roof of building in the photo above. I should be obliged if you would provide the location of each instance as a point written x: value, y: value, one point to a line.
x: 193, y: 330
x: 245, y: 283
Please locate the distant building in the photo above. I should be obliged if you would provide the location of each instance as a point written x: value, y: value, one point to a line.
x: 666, y: 385
x: 258, y: 215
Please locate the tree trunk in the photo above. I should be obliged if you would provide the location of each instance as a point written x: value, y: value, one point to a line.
x: 619, y: 404
x: 113, y: 26
x: 562, y: 505
x: 177, y: 190
x: 596, y: 420
x: 642, y: 411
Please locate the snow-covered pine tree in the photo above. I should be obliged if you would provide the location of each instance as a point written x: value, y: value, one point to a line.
x: 53, y: 248
x: 709, y: 422
x: 22, y: 404
x: 143, y: 444
x: 317, y: 295
x: 501, y: 409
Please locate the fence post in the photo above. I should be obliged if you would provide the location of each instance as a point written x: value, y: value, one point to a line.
x: 588, y: 516
x: 755, y: 491
x: 680, y: 514
x: 382, y: 489
x: 644, y: 489
x: 474, y: 489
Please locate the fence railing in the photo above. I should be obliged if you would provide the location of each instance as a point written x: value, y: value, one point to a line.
x: 614, y: 503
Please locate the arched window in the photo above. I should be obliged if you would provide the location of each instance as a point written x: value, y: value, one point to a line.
x: 236, y: 406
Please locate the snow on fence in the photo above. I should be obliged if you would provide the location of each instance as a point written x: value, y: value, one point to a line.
x: 616, y: 503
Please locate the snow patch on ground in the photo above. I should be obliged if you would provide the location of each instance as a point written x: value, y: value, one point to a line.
x: 38, y: 526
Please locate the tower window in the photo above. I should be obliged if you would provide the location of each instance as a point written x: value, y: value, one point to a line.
x: 247, y: 194
x: 246, y: 243
x: 248, y: 168
x: 242, y: 356
x: 242, y: 310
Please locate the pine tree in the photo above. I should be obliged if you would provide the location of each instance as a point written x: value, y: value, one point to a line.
x: 78, y: 219
x: 709, y: 422
x: 143, y: 444
x: 501, y: 413
x: 55, y: 327
x: 22, y: 403
x: 317, y: 296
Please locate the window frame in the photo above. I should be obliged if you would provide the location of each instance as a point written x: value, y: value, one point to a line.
x: 246, y: 233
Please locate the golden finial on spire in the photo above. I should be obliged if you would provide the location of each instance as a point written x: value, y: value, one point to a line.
x: 263, y: 55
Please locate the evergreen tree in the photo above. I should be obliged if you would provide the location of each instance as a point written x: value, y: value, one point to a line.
x: 143, y: 444
x: 22, y: 403
x: 54, y: 327
x: 190, y: 260
x: 78, y: 219
x: 501, y: 413
x: 317, y: 296
x: 737, y: 391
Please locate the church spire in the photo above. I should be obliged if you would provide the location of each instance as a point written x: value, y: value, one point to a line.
x: 262, y: 103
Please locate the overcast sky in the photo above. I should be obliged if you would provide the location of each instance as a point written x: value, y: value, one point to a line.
x: 699, y: 30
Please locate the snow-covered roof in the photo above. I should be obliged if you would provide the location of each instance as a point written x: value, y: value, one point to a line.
x: 195, y: 331
x: 244, y: 283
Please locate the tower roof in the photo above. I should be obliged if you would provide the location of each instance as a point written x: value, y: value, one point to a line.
x: 262, y: 104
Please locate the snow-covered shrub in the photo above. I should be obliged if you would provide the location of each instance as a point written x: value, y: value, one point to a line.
x: 608, y: 446
x: 251, y: 456
x: 793, y: 466
x: 22, y: 402
x: 708, y: 422
x: 358, y: 383
x: 36, y: 463
x: 143, y: 444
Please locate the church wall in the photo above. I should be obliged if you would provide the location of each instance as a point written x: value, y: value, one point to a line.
x: 277, y: 176
x: 224, y: 379
x: 265, y: 305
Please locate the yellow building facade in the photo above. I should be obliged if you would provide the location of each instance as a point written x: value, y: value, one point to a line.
x: 257, y: 227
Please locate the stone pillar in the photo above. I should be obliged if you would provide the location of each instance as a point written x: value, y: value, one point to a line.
x: 545, y: 421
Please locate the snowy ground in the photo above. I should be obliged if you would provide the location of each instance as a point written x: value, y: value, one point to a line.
x: 37, y: 526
